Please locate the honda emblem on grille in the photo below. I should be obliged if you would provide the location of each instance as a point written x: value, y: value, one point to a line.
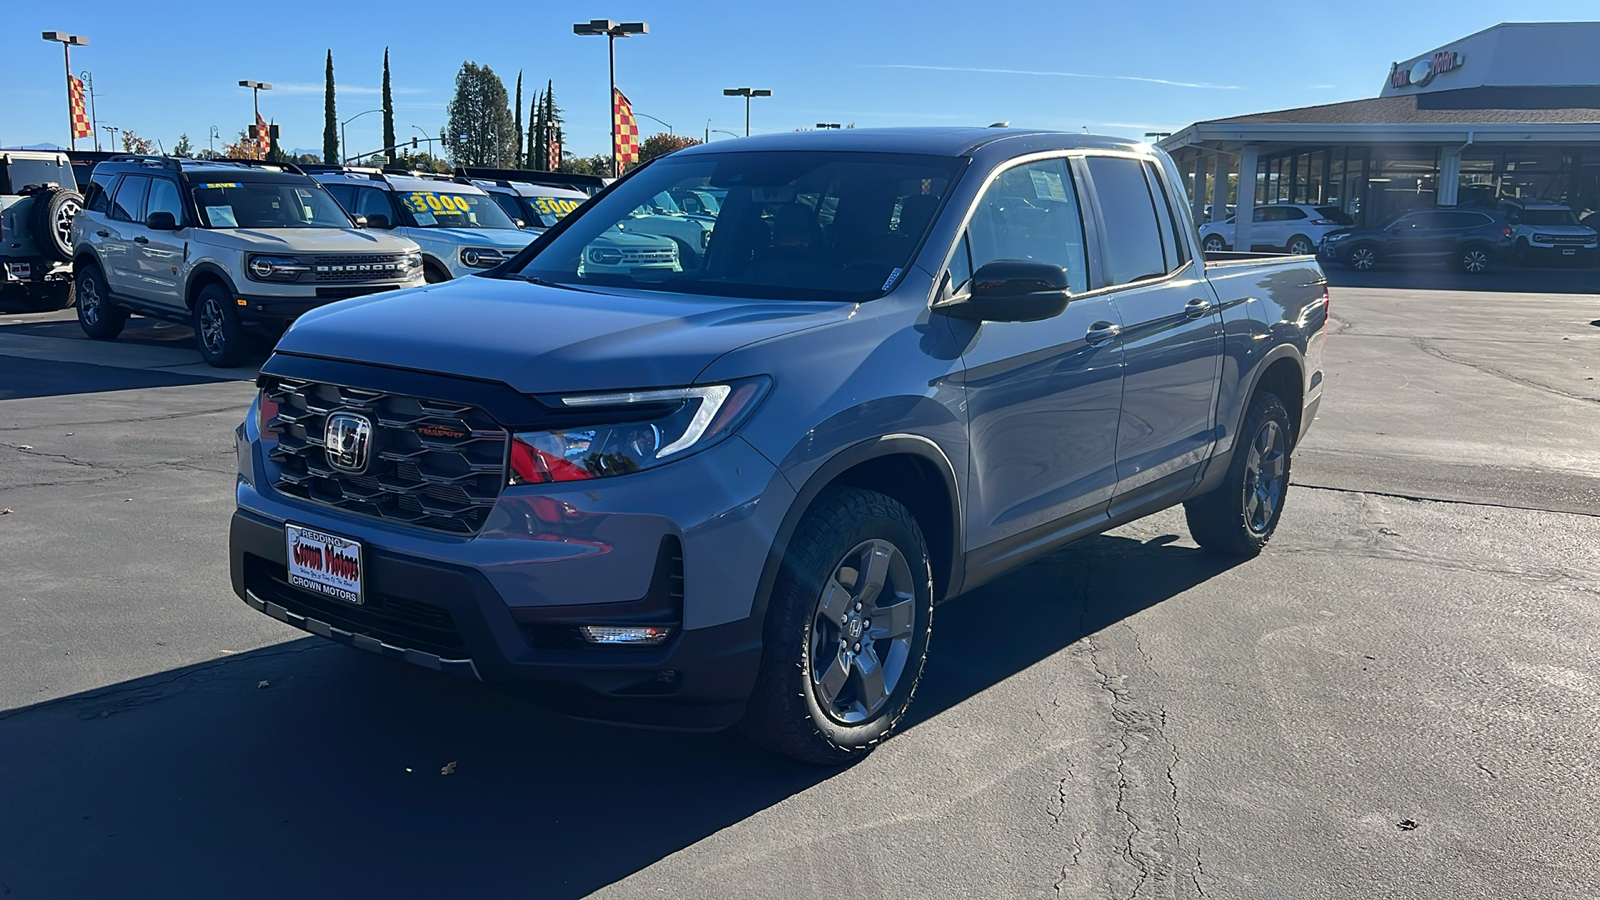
x: 348, y: 441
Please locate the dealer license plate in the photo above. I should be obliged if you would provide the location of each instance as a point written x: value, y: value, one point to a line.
x: 20, y: 271
x: 324, y: 563
x: 1569, y: 251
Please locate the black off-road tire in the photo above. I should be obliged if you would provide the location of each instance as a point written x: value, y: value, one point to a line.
x: 784, y: 714
x: 1221, y: 521
x: 218, y: 334
x: 53, y: 210
x: 48, y: 297
x: 97, y: 316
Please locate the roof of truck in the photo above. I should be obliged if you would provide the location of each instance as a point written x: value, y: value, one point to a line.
x: 928, y: 141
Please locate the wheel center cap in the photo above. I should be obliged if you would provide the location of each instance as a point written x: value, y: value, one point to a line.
x: 855, y: 627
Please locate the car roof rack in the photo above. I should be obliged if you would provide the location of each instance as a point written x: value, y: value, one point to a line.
x: 288, y: 167
x: 529, y: 176
x: 149, y: 159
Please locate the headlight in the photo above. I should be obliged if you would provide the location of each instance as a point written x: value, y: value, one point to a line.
x: 481, y: 257
x: 601, y: 256
x: 1335, y: 237
x: 412, y: 260
x: 644, y: 429
x: 276, y: 268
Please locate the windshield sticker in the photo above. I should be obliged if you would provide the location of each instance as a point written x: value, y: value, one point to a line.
x: 222, y: 184
x: 424, y: 218
x: 421, y: 202
x: 1048, y: 186
x: 553, y: 206
x: 221, y: 216
x: 892, y: 276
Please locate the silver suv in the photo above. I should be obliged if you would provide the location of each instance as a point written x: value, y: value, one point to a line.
x: 224, y: 245
x: 38, y: 199
x: 1544, y: 230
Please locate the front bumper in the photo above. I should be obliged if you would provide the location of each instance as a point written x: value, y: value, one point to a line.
x: 276, y: 313
x: 1561, y: 252
x: 684, y: 545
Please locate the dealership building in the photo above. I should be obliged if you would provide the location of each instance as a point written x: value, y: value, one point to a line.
x: 1512, y: 111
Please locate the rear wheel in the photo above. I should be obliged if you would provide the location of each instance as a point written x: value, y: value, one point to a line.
x: 1214, y: 244
x: 217, y: 331
x: 48, y: 297
x: 1362, y: 259
x: 1241, y: 514
x: 846, y: 632
x: 1300, y: 245
x: 1474, y: 260
x: 97, y: 317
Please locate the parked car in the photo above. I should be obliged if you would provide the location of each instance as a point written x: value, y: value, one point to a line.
x: 733, y: 493
x: 1290, y: 227
x: 1546, y: 231
x: 460, y: 229
x: 227, y: 246
x: 1472, y: 240
x: 535, y: 206
x: 38, y: 200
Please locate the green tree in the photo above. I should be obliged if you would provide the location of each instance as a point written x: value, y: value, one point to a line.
x: 517, y: 153
x: 538, y: 150
x: 546, y: 129
x: 480, y: 130
x: 388, y: 106
x: 420, y: 160
x: 182, y: 149
x: 330, y: 119
x: 274, y: 153
x: 661, y: 144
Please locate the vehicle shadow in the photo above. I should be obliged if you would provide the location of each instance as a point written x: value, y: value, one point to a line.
x: 310, y: 770
x: 1502, y: 279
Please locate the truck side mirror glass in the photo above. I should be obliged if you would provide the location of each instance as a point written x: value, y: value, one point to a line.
x: 378, y: 220
x: 161, y: 221
x: 1013, y: 290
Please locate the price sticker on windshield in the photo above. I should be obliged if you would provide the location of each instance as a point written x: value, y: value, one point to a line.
x: 433, y: 202
x: 554, y: 206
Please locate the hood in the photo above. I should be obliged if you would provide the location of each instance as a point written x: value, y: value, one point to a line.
x: 1576, y: 230
x: 503, y: 238
x: 633, y: 239
x: 304, y: 240
x: 540, y: 339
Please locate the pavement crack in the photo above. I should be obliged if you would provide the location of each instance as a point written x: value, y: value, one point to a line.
x: 25, y: 449
x: 1436, y: 352
x: 1418, y: 498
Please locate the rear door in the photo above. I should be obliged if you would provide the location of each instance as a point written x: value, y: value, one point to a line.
x: 1171, y: 332
x: 124, y: 224
x: 1042, y: 397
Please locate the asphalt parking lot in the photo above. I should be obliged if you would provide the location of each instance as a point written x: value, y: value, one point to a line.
x: 1398, y: 699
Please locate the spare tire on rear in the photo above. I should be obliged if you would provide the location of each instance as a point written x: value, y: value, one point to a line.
x: 53, y: 209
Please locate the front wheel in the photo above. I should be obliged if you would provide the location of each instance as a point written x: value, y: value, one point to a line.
x: 217, y: 331
x: 1214, y: 244
x: 846, y: 632
x: 1474, y: 260
x: 1240, y: 515
x: 1362, y: 259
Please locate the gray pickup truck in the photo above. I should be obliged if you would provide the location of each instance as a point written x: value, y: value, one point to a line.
x: 908, y: 362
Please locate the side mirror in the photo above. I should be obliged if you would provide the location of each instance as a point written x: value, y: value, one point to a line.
x: 361, y: 221
x: 376, y: 220
x: 1013, y: 290
x: 520, y: 223
x: 161, y: 221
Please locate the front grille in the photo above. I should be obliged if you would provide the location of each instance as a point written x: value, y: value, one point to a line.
x: 1563, y: 239
x: 351, y: 267
x: 398, y: 622
x: 649, y: 257
x: 431, y: 464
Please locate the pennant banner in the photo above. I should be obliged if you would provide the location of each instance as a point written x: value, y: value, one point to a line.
x: 625, y: 130
x: 80, y: 118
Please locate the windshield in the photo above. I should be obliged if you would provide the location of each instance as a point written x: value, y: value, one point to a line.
x: 1549, y: 217
x: 549, y: 210
x: 791, y: 225
x: 267, y: 204
x: 449, y: 209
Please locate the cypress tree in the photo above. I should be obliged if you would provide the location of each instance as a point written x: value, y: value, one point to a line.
x: 517, y: 154
x: 539, y: 148
x: 533, y: 132
x: 330, y: 120
x: 388, y: 109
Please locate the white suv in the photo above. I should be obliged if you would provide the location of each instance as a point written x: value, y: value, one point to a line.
x: 1546, y: 231
x: 224, y: 246
x: 459, y: 227
x: 1293, y: 227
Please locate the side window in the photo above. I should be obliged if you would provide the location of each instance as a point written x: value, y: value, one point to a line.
x: 1030, y: 212
x: 1130, y: 233
x: 128, y: 204
x: 345, y: 195
x: 164, y: 197
x: 961, y: 264
x: 99, y: 199
x: 373, y: 202
x: 1177, y: 252
x: 1293, y: 212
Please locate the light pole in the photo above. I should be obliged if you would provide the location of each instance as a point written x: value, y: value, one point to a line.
x: 68, y: 41
x: 94, y: 115
x: 746, y: 93
x: 256, y: 87
x: 711, y: 131
x: 111, y: 130
x: 343, y: 142
x: 612, y: 31
x: 654, y: 119
x: 211, y: 139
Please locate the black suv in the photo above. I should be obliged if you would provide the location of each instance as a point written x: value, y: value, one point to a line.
x: 1470, y: 239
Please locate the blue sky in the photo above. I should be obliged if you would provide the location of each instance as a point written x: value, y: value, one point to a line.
x: 162, y: 68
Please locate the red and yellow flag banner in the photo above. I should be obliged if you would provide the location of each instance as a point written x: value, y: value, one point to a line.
x: 624, y: 130
x: 80, y: 117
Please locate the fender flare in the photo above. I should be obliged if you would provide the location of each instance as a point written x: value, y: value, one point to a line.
x: 206, y: 268
x: 1217, y: 466
x: 828, y: 472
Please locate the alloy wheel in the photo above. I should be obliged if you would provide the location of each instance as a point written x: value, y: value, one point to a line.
x: 63, y: 223
x: 1362, y: 258
x: 1475, y: 261
x: 89, y: 302
x: 211, y: 326
x: 861, y: 632
x: 1266, y: 471
x: 1214, y: 245
x: 1300, y: 247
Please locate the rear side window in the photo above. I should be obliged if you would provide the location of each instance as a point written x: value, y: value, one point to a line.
x: 128, y: 204
x: 1130, y: 233
x: 1030, y: 212
x: 1335, y: 215
x: 1177, y: 251
x: 1462, y: 220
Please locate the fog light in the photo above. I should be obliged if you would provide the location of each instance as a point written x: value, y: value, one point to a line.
x: 625, y: 634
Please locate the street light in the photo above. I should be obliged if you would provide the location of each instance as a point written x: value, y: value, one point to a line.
x: 211, y: 139
x: 612, y: 31
x: 654, y: 119
x: 746, y: 93
x: 256, y: 87
x: 68, y: 41
x: 712, y: 131
x: 94, y: 114
x: 111, y: 130
x: 342, y: 141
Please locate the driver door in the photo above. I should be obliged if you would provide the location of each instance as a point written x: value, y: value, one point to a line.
x: 160, y: 254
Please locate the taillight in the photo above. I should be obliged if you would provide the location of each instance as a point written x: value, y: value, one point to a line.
x: 1323, y: 222
x: 1505, y: 231
x: 266, y: 412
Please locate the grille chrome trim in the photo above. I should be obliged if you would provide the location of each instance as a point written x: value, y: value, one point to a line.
x: 357, y: 267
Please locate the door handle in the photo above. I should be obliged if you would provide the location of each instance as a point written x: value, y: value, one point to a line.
x: 141, y: 239
x: 103, y: 234
x: 1101, y: 332
x: 1196, y: 308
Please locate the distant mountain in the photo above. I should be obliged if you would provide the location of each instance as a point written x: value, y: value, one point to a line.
x: 40, y: 147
